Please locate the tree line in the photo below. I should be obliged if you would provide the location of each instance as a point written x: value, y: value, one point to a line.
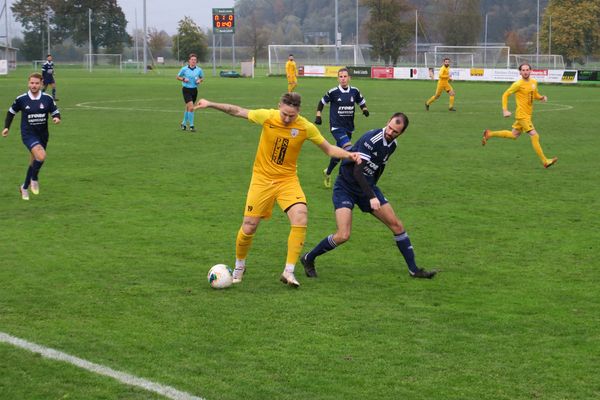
x: 387, y: 25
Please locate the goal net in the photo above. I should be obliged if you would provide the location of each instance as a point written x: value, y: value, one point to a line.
x: 552, y: 61
x: 347, y: 55
x: 470, y: 56
x: 103, y: 61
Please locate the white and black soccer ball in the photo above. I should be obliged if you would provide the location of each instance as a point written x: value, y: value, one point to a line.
x: 219, y: 276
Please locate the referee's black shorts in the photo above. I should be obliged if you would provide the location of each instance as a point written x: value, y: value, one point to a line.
x: 189, y: 94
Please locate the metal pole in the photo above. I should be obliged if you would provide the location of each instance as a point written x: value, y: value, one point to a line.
x: 537, y: 42
x: 549, y: 34
x: 137, y: 49
x: 337, y: 54
x: 4, y: 12
x: 416, y: 38
x: 214, y: 56
x: 48, y: 26
x: 145, y: 45
x: 485, y: 42
x: 356, y: 50
x: 233, y: 49
x: 90, y: 38
x: 357, y: 22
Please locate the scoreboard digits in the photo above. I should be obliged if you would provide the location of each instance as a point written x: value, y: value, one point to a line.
x: 223, y: 20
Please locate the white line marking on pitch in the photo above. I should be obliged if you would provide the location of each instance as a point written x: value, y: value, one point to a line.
x: 123, y: 377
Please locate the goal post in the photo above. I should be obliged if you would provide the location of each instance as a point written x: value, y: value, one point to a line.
x: 37, y: 64
x: 552, y: 61
x: 347, y: 54
x: 459, y: 60
x: 483, y: 56
x: 103, y: 61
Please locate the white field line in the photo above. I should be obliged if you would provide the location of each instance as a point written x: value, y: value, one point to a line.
x: 92, y: 105
x: 167, y: 391
x: 97, y: 105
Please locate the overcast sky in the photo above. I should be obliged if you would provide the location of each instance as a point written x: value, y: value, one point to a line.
x: 165, y: 14
x: 160, y: 14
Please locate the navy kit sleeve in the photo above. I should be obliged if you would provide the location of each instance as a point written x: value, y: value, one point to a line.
x: 362, y: 181
x: 9, y: 118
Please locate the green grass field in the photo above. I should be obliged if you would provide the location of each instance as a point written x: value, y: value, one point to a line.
x: 109, y: 262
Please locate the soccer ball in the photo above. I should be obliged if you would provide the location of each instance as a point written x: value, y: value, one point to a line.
x: 219, y: 276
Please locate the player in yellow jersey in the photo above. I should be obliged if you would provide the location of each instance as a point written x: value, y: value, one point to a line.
x: 443, y: 84
x: 274, y: 176
x: 292, y: 73
x: 525, y: 91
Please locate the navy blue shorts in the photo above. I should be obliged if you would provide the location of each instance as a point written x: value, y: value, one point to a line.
x: 48, y: 79
x: 31, y: 140
x: 189, y: 94
x: 342, y: 136
x: 346, y: 197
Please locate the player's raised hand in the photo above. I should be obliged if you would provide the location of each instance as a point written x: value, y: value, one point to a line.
x: 5, y: 132
x: 506, y: 113
x: 202, y: 103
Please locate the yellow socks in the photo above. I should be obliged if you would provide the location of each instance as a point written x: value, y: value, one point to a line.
x: 451, y: 102
x: 242, y: 245
x: 535, y: 142
x: 295, y: 243
x: 502, y: 134
x: 431, y: 100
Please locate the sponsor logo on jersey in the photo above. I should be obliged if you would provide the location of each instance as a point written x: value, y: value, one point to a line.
x: 279, y: 150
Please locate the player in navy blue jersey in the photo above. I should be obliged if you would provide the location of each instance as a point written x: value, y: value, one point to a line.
x: 48, y: 75
x: 35, y: 107
x: 190, y: 76
x: 343, y: 99
x: 356, y: 184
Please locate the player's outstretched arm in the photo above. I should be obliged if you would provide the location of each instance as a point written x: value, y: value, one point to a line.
x: 336, y: 152
x: 230, y: 109
x: 7, y: 122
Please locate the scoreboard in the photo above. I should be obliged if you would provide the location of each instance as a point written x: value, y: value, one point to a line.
x: 223, y: 20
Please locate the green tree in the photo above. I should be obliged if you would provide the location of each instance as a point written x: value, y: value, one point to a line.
x: 157, y: 41
x: 575, y: 29
x: 460, y: 25
x: 252, y: 29
x: 190, y: 39
x: 388, y: 34
x: 34, y: 17
x: 108, y: 23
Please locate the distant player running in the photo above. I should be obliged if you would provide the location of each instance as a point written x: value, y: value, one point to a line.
x: 48, y: 75
x: 444, y: 78
x: 274, y: 176
x: 357, y: 185
x: 291, y: 72
x: 525, y: 90
x: 35, y: 107
x: 341, y: 116
x: 190, y: 76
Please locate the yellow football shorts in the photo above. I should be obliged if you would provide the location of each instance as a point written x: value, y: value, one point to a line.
x: 523, y: 125
x: 442, y: 86
x: 263, y: 193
